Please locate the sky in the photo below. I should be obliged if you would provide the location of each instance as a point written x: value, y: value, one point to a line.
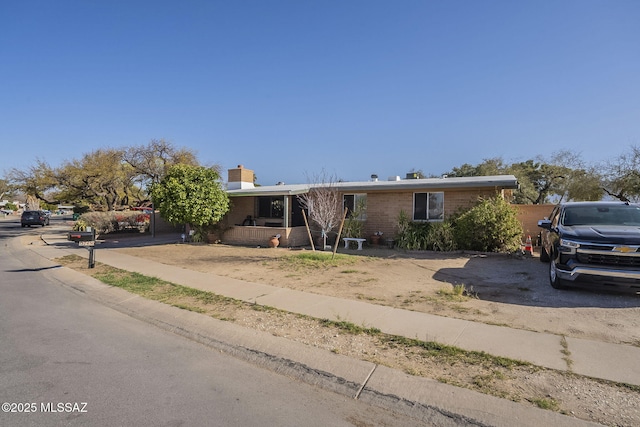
x: 297, y: 89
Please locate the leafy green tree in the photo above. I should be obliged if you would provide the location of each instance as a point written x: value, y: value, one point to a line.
x: 493, y: 166
x: 584, y: 184
x: 561, y: 176
x: 538, y: 180
x: 466, y: 169
x: 191, y: 195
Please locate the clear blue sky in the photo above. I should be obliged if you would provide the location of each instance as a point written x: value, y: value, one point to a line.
x: 291, y: 88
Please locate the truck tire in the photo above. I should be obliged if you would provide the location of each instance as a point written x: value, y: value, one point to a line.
x: 554, y: 280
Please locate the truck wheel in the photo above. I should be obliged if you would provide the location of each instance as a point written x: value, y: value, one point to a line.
x: 554, y: 280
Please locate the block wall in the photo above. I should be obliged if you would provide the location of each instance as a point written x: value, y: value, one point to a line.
x: 529, y: 215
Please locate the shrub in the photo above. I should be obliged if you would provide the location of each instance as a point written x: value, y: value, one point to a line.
x: 490, y: 226
x: 408, y: 236
x: 110, y: 222
x: 435, y: 236
x: 441, y: 237
x: 354, y: 224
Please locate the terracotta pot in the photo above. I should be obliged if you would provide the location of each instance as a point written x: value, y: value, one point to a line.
x: 274, y: 242
x: 375, y: 239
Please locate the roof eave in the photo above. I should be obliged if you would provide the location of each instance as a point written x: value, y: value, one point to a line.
x: 497, y: 181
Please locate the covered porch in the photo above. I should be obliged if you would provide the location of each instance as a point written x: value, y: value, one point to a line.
x: 257, y: 215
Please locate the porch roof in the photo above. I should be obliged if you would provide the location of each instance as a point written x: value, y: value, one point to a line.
x: 499, y: 181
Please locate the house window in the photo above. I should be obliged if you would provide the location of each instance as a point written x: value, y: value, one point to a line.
x: 271, y: 207
x: 428, y: 206
x: 356, y: 203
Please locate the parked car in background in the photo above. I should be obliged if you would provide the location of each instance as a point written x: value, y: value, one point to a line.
x: 593, y: 244
x: 30, y: 218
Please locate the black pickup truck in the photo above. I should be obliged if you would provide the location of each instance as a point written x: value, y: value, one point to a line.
x: 593, y: 244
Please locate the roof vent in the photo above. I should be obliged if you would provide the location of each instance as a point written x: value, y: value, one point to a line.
x: 280, y: 183
x: 374, y: 177
x: 394, y: 178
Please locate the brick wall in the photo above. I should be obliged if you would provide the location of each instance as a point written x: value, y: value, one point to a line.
x: 240, y: 208
x: 383, y: 208
x: 259, y: 236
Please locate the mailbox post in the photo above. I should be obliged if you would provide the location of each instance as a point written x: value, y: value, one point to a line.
x: 86, y: 239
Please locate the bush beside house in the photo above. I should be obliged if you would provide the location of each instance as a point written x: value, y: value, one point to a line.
x: 490, y: 226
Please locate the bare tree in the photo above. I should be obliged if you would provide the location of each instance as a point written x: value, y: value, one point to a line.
x: 623, y: 176
x: 323, y: 204
x: 99, y: 178
x: 152, y: 161
x: 105, y: 177
x: 5, y: 189
x: 39, y: 181
x: 32, y: 203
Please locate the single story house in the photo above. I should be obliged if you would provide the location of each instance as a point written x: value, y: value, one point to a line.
x: 258, y: 213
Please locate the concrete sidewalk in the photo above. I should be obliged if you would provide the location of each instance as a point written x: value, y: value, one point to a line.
x: 590, y: 358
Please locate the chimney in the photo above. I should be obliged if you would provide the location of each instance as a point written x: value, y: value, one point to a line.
x: 240, y: 178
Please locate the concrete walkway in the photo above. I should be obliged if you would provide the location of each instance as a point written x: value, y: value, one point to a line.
x: 596, y: 359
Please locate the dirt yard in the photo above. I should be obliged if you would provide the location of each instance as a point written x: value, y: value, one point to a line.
x: 504, y: 290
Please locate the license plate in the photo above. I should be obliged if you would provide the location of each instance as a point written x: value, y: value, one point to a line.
x: 87, y: 243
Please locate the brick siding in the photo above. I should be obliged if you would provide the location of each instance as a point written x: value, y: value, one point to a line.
x: 383, y: 208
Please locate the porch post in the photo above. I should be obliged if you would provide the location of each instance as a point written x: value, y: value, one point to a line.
x: 287, y: 214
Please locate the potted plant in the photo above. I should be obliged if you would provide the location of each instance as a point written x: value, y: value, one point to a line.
x: 274, y: 242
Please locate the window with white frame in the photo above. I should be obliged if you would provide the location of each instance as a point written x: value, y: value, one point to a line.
x: 355, y: 203
x: 428, y: 206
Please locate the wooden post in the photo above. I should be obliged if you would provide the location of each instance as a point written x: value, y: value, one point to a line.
x: 304, y: 215
x: 335, y: 246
